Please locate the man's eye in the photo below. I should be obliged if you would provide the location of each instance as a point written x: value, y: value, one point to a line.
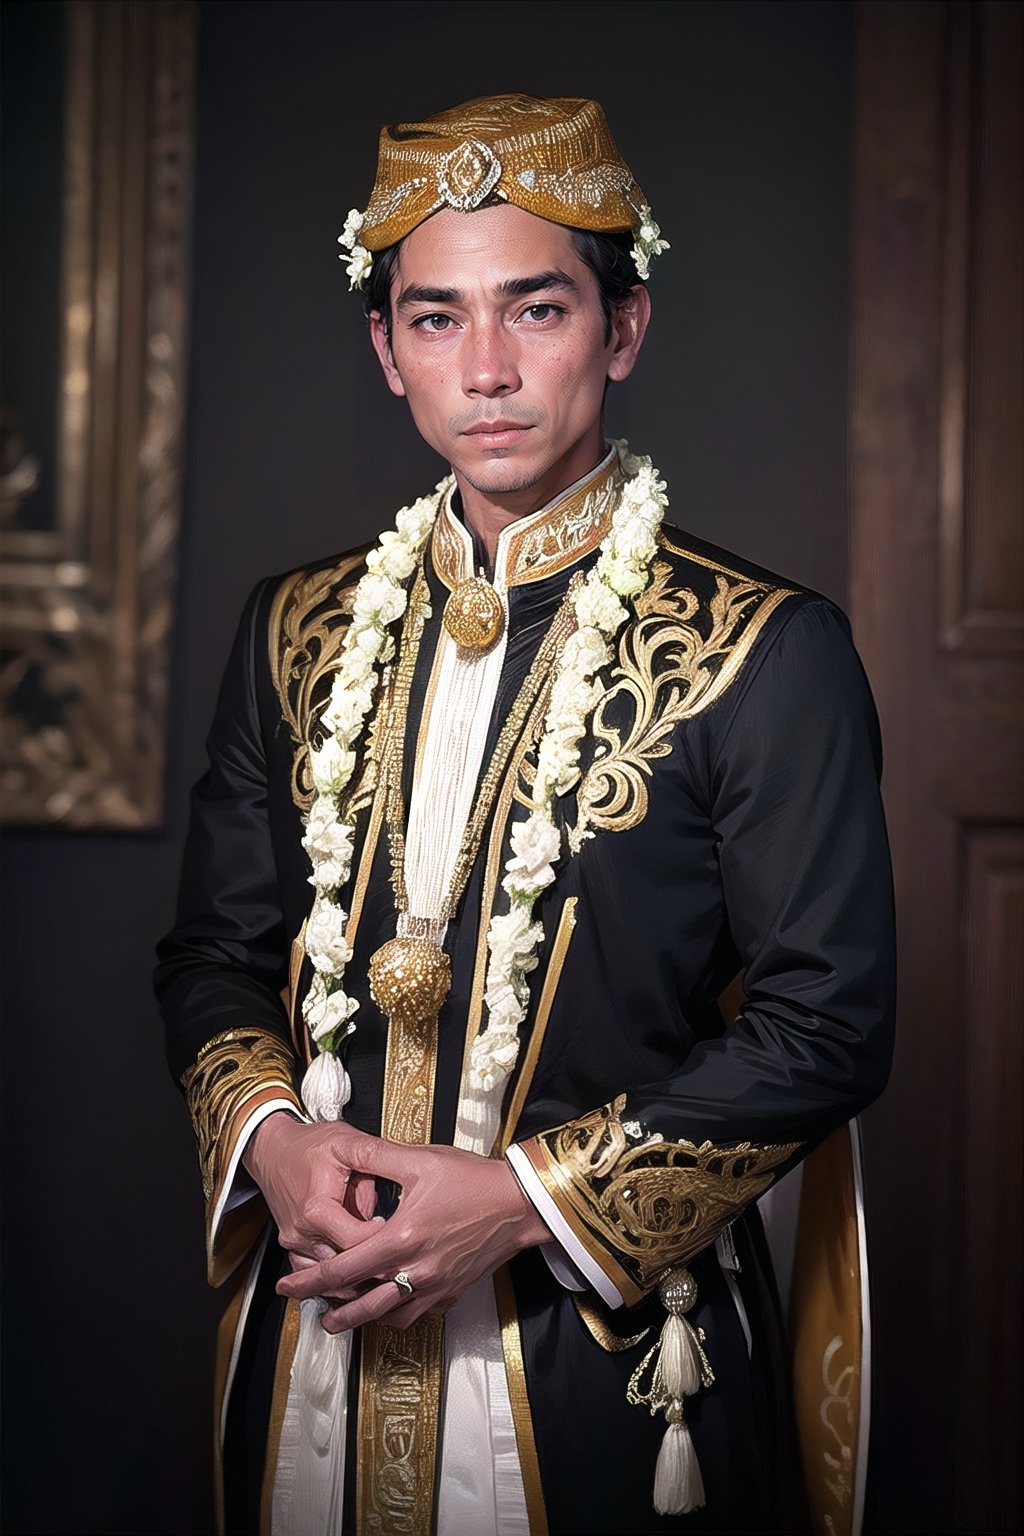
x: 540, y: 312
x: 433, y: 323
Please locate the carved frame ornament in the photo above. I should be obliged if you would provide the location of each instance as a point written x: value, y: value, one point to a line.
x: 87, y: 603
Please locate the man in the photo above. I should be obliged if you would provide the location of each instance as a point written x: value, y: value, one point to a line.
x: 499, y: 808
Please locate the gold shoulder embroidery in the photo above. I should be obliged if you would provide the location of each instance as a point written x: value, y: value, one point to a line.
x: 307, y: 625
x: 648, y: 1206
x: 675, y: 659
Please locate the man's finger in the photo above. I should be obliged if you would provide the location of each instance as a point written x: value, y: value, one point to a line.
x: 364, y: 1197
x: 328, y: 1225
x: 374, y: 1305
x: 374, y: 1259
x: 376, y: 1155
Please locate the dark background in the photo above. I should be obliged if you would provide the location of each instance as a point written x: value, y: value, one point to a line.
x: 736, y: 119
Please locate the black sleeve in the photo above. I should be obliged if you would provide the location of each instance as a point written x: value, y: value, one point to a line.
x: 224, y: 964
x: 795, y: 761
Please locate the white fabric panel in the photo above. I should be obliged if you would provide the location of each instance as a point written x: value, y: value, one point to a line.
x: 310, y: 1479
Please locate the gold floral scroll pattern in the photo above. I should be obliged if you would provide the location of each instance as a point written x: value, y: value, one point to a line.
x: 678, y: 656
x: 399, y: 1411
x: 307, y: 626
x: 578, y: 525
x: 229, y: 1072
x: 653, y: 1204
x: 838, y: 1413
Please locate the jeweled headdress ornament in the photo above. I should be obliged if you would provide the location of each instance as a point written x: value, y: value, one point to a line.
x: 553, y: 156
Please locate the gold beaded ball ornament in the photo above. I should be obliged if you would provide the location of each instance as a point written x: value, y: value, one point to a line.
x: 410, y: 979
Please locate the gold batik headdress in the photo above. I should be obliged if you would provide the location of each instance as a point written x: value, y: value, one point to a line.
x: 554, y: 157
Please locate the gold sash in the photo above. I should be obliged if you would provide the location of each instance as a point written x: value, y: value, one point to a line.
x: 400, y: 1372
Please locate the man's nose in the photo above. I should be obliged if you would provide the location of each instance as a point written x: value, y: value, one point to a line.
x: 491, y: 366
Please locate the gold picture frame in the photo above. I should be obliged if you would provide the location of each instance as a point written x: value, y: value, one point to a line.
x: 86, y: 603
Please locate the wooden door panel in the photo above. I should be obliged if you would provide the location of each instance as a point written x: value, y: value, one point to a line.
x: 937, y: 600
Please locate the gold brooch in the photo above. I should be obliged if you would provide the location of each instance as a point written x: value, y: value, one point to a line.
x: 473, y: 614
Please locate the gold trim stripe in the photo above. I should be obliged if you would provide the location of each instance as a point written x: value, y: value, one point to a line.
x: 226, y: 1330
x: 559, y: 950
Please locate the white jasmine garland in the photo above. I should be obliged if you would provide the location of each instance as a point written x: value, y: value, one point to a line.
x: 622, y: 571
x: 513, y: 937
x: 380, y: 600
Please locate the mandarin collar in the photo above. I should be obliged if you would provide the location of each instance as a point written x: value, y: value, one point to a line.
x: 534, y: 547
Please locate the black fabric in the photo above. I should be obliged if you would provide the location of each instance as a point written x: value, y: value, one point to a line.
x: 248, y: 1409
x: 762, y: 846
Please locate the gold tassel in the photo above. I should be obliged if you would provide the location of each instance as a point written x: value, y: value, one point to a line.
x: 680, y: 1369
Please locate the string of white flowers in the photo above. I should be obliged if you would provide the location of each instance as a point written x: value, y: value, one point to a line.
x: 513, y: 938
x: 380, y: 599
x: 620, y: 573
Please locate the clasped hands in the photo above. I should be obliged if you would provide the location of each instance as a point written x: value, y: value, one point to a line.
x: 459, y: 1217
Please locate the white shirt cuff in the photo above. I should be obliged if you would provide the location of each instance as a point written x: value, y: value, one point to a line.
x: 569, y: 1261
x: 238, y: 1187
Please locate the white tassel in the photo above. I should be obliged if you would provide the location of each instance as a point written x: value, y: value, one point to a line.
x: 680, y: 1368
x: 326, y: 1088
x: 678, y: 1485
x: 679, y: 1363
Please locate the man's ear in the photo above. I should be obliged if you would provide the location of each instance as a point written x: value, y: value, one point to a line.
x: 630, y: 319
x: 382, y: 347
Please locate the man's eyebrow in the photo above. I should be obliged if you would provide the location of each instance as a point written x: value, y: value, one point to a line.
x: 519, y: 287
x: 417, y: 294
x: 511, y: 288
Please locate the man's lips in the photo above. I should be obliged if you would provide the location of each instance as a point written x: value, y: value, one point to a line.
x: 497, y: 434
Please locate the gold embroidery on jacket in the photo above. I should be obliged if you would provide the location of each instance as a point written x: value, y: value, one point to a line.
x: 648, y: 1205
x: 305, y: 636
x: 542, y: 544
x: 675, y: 658
x: 230, y: 1069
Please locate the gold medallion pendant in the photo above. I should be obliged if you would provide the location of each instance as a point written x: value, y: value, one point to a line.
x: 473, y: 614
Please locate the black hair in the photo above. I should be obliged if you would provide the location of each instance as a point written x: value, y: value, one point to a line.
x: 606, y: 255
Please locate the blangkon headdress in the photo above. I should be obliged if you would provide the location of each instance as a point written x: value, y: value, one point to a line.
x: 551, y: 156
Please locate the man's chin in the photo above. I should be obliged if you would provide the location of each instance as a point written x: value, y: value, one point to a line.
x: 500, y: 478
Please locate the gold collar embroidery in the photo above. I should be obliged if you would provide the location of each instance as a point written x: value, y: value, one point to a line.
x: 537, y: 546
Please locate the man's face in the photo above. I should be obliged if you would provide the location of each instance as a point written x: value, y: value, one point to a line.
x: 498, y: 343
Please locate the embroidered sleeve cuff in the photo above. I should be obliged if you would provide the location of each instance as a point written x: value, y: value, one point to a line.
x: 237, y: 1076
x: 567, y: 1259
x: 637, y: 1207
